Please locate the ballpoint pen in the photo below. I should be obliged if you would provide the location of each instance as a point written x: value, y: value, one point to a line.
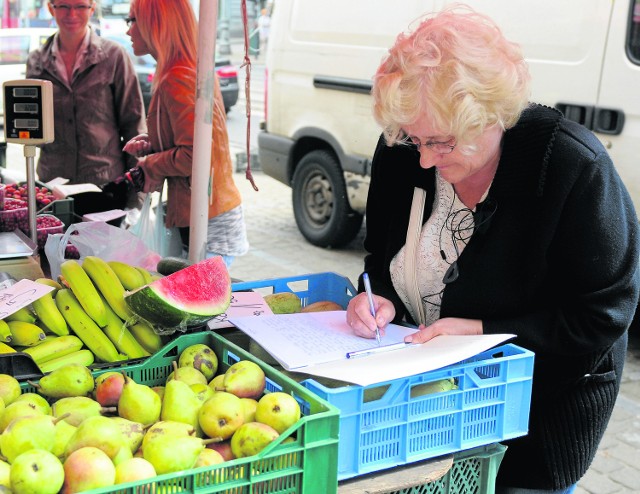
x: 372, y: 307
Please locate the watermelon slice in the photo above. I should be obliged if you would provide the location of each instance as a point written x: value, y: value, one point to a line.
x: 188, y: 297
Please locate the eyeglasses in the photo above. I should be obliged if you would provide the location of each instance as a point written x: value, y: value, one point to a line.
x: 129, y: 20
x: 66, y: 9
x: 444, y: 147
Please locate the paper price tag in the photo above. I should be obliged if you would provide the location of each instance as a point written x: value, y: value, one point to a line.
x: 20, y: 295
x: 242, y: 304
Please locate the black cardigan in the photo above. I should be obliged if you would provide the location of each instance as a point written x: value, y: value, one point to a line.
x: 556, y: 264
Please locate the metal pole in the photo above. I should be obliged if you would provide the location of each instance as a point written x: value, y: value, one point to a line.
x: 201, y: 181
x: 225, y: 44
x: 29, y: 154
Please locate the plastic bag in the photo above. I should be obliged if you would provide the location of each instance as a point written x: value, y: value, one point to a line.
x: 97, y: 238
x: 151, y: 229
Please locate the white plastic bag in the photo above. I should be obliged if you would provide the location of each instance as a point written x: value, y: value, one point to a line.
x: 97, y: 238
x: 151, y: 229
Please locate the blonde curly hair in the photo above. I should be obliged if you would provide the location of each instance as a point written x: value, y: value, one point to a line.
x: 456, y: 68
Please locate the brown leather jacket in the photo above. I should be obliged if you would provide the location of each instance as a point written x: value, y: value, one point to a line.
x: 171, y: 126
x: 94, y: 117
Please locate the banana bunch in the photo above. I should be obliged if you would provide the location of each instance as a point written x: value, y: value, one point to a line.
x: 84, y: 319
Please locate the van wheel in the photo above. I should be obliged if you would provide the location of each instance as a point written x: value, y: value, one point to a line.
x: 320, y: 203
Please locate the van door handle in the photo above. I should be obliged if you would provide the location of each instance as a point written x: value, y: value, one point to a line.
x: 608, y: 121
x: 582, y: 114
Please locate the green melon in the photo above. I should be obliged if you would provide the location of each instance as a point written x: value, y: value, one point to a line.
x: 188, y: 297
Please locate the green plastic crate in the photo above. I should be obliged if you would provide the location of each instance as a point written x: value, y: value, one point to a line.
x: 473, y: 472
x: 306, y: 465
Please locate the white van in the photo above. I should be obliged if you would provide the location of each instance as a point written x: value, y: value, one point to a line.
x: 319, y: 134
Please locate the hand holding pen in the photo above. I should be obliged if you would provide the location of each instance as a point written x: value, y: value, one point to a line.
x: 360, y: 318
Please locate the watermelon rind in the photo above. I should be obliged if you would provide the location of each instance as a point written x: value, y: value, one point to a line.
x: 186, y: 298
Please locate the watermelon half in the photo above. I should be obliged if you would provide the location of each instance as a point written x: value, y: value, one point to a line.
x: 188, y: 297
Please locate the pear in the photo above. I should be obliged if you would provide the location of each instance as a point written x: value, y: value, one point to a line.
x: 37, y: 470
x: 203, y: 391
x: 279, y: 410
x: 249, y: 406
x: 221, y: 415
x: 68, y: 380
x: 190, y: 375
x: 134, y: 469
x: 180, y: 404
x: 165, y: 428
x: 78, y: 408
x: 102, y: 433
x: 173, y: 453
x: 19, y: 409
x: 38, y: 400
x: 9, y: 388
x: 245, y: 379
x: 109, y: 388
x: 64, y: 431
x: 217, y: 383
x: 139, y: 403
x: 200, y: 357
x: 88, y: 468
x: 5, y: 472
x: 251, y: 438
x: 25, y: 433
x: 133, y: 432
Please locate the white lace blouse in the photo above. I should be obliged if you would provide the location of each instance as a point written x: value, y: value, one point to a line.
x: 447, y: 231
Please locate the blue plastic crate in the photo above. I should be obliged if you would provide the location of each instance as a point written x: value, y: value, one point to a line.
x: 390, y: 427
x: 383, y: 426
x: 310, y: 287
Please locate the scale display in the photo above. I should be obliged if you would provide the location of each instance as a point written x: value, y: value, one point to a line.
x: 28, y: 107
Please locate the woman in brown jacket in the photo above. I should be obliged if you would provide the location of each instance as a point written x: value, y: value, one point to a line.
x: 166, y: 151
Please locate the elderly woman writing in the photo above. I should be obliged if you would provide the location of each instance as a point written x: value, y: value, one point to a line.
x: 489, y: 214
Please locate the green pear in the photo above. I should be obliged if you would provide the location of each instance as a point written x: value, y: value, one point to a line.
x: 102, y: 433
x: 173, y: 453
x: 217, y: 383
x: 88, y: 468
x: 19, y: 409
x: 139, y: 403
x: 133, y: 432
x: 189, y: 375
x: 245, y: 379
x: 279, y: 410
x: 37, y: 470
x: 221, y: 415
x: 5, y: 474
x: 64, y: 431
x: 38, y: 400
x: 249, y: 406
x: 133, y: 470
x: 78, y: 408
x: 68, y: 380
x: 203, y: 391
x: 9, y: 388
x: 165, y: 428
x: 200, y: 357
x: 25, y: 433
x: 180, y: 404
x: 251, y: 438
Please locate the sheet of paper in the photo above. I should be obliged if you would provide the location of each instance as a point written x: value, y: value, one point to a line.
x: 298, y: 340
x: 20, y: 295
x: 435, y: 354
x: 243, y: 304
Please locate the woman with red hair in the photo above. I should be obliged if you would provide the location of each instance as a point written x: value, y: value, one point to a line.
x: 167, y: 30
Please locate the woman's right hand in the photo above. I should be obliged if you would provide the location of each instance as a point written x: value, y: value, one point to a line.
x: 360, y: 319
x: 139, y: 146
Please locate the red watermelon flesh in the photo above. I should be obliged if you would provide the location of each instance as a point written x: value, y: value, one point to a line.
x: 185, y: 298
